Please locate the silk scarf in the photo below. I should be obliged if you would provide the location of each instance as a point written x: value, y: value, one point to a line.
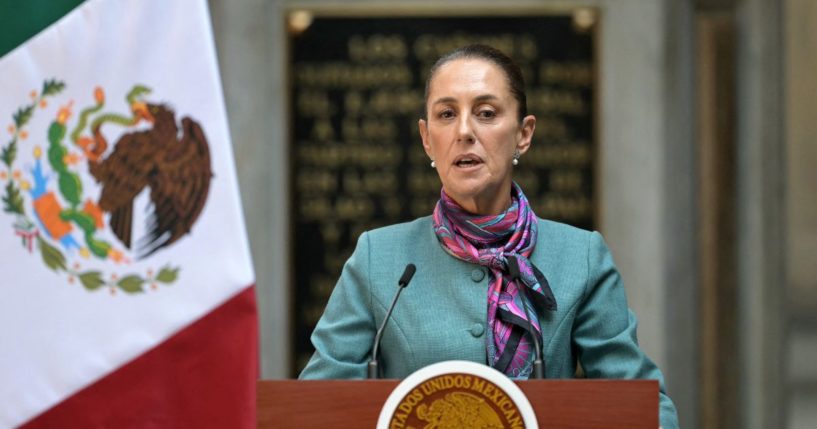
x: 488, y: 241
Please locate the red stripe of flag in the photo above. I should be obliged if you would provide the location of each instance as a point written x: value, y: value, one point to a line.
x: 204, y: 376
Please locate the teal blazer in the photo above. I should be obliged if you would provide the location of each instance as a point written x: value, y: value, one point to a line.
x: 441, y: 315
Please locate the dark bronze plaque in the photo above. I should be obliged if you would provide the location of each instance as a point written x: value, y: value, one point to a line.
x: 357, y: 162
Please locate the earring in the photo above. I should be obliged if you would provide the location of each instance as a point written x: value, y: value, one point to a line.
x: 433, y: 164
x: 515, y: 158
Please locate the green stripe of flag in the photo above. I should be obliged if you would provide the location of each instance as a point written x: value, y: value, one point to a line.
x: 20, y: 20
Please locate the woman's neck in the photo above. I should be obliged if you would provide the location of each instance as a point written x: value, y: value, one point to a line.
x: 487, y: 203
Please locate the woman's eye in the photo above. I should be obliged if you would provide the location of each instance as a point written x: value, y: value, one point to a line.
x: 446, y: 114
x: 486, y: 114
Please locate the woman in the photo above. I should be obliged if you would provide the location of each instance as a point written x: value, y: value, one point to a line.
x: 477, y: 129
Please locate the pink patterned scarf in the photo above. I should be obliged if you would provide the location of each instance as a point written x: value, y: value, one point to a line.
x: 487, y: 241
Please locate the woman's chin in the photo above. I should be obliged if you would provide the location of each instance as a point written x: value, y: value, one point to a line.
x: 467, y: 190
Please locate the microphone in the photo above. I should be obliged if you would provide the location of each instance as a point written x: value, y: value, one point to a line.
x: 538, y: 363
x: 402, y: 283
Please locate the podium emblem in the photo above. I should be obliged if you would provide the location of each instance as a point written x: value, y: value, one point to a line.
x: 457, y: 394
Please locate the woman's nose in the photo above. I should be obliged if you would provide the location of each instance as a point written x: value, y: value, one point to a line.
x: 465, y: 132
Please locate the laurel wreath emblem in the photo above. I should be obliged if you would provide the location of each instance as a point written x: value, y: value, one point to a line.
x: 47, y: 223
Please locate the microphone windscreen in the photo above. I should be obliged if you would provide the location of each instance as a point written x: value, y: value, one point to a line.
x: 407, y: 275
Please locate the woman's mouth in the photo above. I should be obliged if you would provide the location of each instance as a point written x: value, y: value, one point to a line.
x: 467, y: 161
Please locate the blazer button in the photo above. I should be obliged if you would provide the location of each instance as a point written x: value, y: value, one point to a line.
x: 477, y: 275
x: 477, y: 330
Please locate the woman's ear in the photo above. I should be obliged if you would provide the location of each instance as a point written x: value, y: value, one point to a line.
x: 424, y: 136
x: 526, y: 134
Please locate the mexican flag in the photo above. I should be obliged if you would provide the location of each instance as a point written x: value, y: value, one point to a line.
x: 125, y: 273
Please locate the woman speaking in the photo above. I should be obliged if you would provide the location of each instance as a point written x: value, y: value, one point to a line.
x: 492, y: 279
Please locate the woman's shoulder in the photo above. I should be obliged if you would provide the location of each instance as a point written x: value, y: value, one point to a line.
x: 392, y: 247
x: 560, y: 244
x: 552, y: 230
x: 405, y: 231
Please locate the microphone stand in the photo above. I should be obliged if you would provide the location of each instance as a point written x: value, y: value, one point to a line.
x: 372, y: 372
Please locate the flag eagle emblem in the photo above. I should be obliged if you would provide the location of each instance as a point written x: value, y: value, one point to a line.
x: 153, y: 152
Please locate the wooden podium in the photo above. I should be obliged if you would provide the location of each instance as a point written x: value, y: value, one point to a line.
x: 608, y: 404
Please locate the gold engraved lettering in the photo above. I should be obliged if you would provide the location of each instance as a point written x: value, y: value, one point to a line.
x: 420, y: 181
x: 576, y: 74
x: 330, y: 231
x: 423, y: 205
x: 527, y: 48
x: 311, y: 103
x: 558, y: 155
x: 393, y: 206
x: 380, y: 182
x: 364, y: 155
x: 342, y: 75
x: 322, y: 130
x: 550, y: 127
x: 428, y: 47
x: 352, y: 182
x: 566, y: 180
x: 312, y: 181
x: 350, y: 129
x: 353, y: 102
x: 566, y: 207
x: 528, y: 179
x: 315, y: 208
x: 560, y: 101
x: 378, y: 129
x: 353, y: 208
x: 418, y: 156
x: 368, y: 129
x: 378, y: 47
